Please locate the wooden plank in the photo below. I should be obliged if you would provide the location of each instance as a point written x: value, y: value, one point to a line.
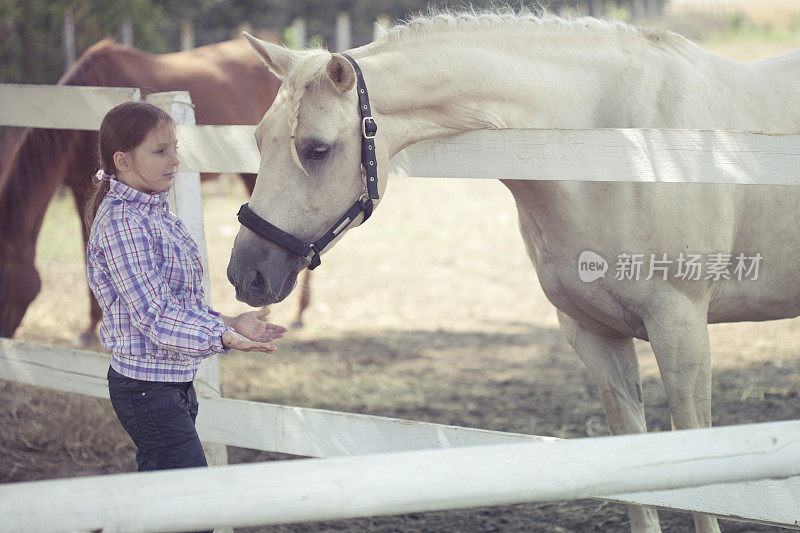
x: 60, y: 106
x: 770, y: 501
x: 61, y: 369
x: 260, y: 426
x: 582, y: 155
x: 218, y: 149
x: 344, y: 38
x: 70, y: 50
x: 404, y: 482
x: 298, y: 40
x: 320, y: 433
x: 698, y: 156
x: 638, y: 155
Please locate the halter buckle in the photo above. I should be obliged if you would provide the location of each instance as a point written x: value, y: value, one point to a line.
x: 373, y: 127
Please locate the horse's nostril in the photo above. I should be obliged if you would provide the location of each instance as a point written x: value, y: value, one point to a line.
x: 258, y: 282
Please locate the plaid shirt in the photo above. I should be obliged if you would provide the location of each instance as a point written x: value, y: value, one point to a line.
x: 146, y: 272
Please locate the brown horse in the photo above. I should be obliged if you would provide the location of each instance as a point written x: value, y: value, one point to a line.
x: 44, y: 159
x: 9, y: 137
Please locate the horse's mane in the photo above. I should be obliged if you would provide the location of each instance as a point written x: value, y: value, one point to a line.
x: 498, y: 20
x: 28, y: 174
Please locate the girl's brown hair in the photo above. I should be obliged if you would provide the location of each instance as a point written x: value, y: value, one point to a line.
x: 123, y: 129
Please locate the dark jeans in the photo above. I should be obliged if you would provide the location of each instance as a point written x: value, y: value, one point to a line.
x: 160, y: 418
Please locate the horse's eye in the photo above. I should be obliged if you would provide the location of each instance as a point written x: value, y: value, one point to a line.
x: 319, y: 151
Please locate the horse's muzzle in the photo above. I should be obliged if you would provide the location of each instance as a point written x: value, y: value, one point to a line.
x: 264, y: 277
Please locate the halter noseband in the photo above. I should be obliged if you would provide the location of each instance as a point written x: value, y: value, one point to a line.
x: 369, y: 174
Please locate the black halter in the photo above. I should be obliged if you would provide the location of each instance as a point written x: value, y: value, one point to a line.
x: 369, y: 173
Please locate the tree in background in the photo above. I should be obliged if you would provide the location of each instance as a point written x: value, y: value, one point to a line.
x: 32, y: 31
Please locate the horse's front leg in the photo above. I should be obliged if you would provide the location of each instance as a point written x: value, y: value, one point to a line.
x: 613, y: 364
x: 678, y: 333
x: 303, y: 299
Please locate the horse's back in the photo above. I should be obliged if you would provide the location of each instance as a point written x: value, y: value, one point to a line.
x: 227, y: 82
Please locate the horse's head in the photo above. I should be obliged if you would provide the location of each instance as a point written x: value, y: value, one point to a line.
x: 310, y: 142
x: 19, y: 285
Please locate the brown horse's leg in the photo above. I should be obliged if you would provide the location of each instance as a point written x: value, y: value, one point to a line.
x: 678, y: 333
x: 249, y: 181
x: 88, y: 337
x: 613, y: 364
x: 303, y: 299
x: 304, y: 291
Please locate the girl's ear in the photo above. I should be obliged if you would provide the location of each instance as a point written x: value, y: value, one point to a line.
x: 121, y: 162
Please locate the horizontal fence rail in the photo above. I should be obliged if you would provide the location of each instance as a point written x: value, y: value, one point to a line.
x: 634, y: 155
x: 60, y: 106
x: 322, y: 433
x: 417, y: 481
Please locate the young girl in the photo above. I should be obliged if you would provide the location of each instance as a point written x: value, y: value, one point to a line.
x: 146, y: 273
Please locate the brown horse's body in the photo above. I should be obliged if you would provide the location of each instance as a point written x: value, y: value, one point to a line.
x: 9, y: 137
x: 228, y: 85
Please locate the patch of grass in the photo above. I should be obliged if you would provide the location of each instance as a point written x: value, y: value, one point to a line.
x: 61, y: 231
x: 42, y: 432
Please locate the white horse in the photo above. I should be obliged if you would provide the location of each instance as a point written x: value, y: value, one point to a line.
x: 452, y: 73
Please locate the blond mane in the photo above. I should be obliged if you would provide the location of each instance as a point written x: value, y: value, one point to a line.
x: 502, y: 20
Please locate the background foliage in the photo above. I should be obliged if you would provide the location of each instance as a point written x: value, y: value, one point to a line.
x: 32, y: 31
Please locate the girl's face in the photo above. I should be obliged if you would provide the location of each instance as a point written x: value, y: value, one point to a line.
x: 151, y: 166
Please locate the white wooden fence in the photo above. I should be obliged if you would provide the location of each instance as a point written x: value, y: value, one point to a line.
x: 741, y: 462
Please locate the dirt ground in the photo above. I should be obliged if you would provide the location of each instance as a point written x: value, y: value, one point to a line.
x: 431, y: 312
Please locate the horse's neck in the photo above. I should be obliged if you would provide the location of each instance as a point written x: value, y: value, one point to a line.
x: 782, y: 74
x: 35, y: 172
x: 430, y: 89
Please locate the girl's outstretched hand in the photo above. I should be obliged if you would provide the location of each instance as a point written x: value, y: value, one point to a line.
x: 236, y: 341
x: 253, y: 325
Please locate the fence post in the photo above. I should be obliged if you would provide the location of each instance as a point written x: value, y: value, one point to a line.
x: 69, y: 38
x: 186, y: 202
x: 187, y: 35
x: 382, y: 25
x: 344, y: 39
x: 126, y: 32
x: 299, y: 33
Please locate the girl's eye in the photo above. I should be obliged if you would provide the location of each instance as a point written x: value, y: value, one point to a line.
x: 319, y: 151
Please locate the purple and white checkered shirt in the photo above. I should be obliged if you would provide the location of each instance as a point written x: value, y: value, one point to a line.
x: 146, y: 272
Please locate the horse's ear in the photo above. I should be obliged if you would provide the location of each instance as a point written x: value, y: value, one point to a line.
x: 277, y: 58
x: 341, y: 73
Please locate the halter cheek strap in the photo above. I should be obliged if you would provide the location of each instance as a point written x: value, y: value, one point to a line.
x: 364, y: 204
x: 369, y: 164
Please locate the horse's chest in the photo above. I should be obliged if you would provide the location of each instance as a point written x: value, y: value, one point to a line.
x: 547, y: 265
x: 591, y: 304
